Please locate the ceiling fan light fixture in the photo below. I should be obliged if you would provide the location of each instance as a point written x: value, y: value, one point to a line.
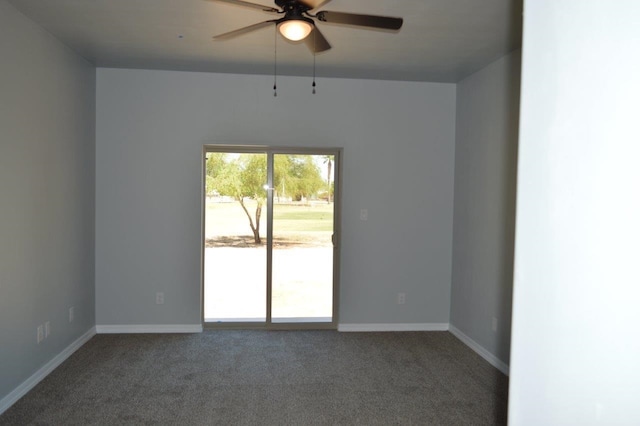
x: 295, y: 29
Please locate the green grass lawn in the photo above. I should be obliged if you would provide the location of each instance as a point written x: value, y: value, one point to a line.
x: 230, y: 219
x: 316, y: 218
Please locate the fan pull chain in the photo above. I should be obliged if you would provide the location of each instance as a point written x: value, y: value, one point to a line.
x: 275, y: 61
x: 313, y: 92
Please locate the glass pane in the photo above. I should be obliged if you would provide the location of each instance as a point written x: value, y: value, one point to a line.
x: 302, y: 231
x: 235, y: 238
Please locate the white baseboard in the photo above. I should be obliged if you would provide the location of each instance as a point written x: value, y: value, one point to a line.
x: 44, y: 371
x: 436, y: 326
x: 149, y: 328
x: 491, y: 359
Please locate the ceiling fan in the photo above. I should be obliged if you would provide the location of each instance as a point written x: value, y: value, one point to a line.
x: 298, y: 21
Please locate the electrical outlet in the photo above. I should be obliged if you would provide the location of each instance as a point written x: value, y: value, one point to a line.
x: 364, y: 214
x: 494, y: 324
x: 71, y: 314
x: 159, y: 298
x: 47, y: 329
x: 40, y: 333
x: 402, y: 298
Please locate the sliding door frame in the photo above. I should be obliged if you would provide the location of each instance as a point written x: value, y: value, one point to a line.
x: 270, y: 151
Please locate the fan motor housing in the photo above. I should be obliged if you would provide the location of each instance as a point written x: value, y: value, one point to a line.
x: 293, y: 7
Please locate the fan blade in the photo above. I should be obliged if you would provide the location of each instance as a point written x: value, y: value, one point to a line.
x: 252, y: 5
x: 244, y: 30
x: 316, y: 41
x: 314, y: 4
x: 373, y: 21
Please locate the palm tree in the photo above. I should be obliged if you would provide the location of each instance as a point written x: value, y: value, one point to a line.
x: 328, y: 160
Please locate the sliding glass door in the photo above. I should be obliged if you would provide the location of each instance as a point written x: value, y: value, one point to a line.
x: 235, y: 253
x: 270, y: 237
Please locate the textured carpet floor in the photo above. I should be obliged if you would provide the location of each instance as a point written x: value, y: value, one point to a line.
x: 269, y: 378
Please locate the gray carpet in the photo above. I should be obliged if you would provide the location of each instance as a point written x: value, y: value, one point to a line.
x: 269, y: 378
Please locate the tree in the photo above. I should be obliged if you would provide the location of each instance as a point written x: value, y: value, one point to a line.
x: 303, y: 176
x: 328, y: 160
x: 281, y: 181
x: 243, y: 177
x: 253, y: 176
x: 214, y: 164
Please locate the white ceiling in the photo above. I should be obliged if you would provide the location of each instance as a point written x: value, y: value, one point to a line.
x: 441, y: 40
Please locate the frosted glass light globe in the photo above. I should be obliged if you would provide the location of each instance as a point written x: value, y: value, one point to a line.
x: 295, y: 30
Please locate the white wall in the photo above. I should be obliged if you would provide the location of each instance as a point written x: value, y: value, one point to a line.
x: 398, y: 141
x: 47, y: 147
x: 484, y: 213
x: 575, y: 345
